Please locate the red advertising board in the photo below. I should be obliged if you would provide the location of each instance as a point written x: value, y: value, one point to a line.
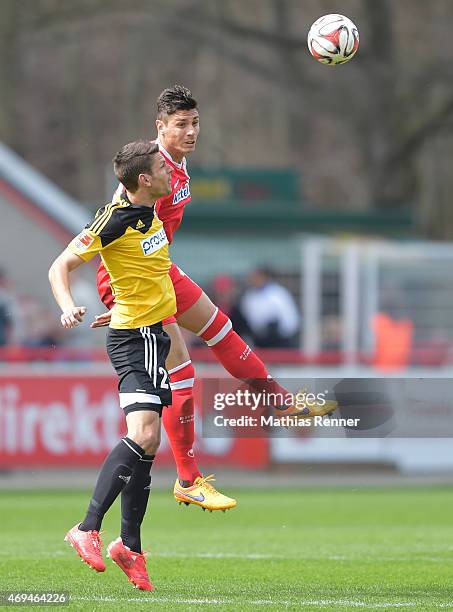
x: 65, y: 420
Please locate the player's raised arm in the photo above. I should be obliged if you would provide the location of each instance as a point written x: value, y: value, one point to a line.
x: 59, y: 273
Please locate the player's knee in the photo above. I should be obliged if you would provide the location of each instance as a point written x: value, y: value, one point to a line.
x: 178, y: 354
x: 146, y: 435
x: 216, y: 329
x: 150, y: 442
x: 182, y: 375
x: 178, y: 350
x: 153, y: 443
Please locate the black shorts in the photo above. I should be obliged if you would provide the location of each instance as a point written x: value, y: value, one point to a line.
x: 138, y: 356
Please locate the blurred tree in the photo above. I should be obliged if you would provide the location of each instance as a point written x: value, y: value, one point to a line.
x: 79, y: 79
x: 10, y: 72
x: 379, y: 108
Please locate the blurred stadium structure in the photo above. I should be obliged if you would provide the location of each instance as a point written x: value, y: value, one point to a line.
x: 339, y: 204
x: 352, y: 291
x: 369, y: 307
x: 389, y: 302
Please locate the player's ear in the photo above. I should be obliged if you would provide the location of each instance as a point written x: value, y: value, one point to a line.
x: 160, y: 126
x: 144, y: 180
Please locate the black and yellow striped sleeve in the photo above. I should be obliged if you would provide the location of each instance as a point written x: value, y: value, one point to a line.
x: 102, y: 217
x: 107, y: 226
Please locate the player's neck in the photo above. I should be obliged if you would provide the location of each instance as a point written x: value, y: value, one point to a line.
x: 141, y: 198
x: 175, y: 154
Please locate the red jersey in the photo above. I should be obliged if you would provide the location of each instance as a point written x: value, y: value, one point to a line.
x: 169, y: 209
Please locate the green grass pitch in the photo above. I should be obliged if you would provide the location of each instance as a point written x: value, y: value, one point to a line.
x: 280, y: 549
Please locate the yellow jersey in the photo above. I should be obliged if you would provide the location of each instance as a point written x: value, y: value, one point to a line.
x: 134, y: 248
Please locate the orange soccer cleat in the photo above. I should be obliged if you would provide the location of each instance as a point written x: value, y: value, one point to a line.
x: 307, y: 409
x: 133, y: 564
x: 88, y: 546
x: 202, y: 493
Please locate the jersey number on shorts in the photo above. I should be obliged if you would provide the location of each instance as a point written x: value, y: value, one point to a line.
x: 163, y: 383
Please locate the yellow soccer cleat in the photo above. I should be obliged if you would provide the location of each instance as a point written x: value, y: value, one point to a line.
x: 307, y: 409
x: 203, y: 494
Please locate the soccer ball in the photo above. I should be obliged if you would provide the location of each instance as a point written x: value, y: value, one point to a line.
x: 333, y: 39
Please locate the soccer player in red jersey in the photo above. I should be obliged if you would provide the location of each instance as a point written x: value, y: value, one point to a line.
x: 178, y: 126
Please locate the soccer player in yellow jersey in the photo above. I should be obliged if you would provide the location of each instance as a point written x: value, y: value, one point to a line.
x: 134, y: 248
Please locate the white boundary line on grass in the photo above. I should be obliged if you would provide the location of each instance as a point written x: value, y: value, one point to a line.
x: 256, y: 556
x: 277, y: 557
x: 262, y: 602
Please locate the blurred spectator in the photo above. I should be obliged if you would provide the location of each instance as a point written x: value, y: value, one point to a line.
x: 39, y: 327
x: 24, y: 321
x: 270, y: 311
x: 224, y: 293
x: 7, y: 309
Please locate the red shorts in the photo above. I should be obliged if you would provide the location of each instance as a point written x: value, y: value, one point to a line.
x: 187, y: 292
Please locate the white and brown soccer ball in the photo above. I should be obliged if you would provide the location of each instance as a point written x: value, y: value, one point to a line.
x: 333, y: 39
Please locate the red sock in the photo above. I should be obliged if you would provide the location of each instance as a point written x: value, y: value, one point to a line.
x: 236, y: 356
x: 178, y: 420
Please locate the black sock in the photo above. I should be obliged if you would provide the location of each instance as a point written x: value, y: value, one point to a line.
x: 134, y: 499
x: 115, y: 473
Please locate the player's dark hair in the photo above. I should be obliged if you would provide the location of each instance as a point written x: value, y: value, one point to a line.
x: 174, y: 99
x: 132, y: 160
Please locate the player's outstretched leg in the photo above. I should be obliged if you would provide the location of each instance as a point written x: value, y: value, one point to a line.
x: 178, y: 421
x: 115, y: 473
x: 215, y: 328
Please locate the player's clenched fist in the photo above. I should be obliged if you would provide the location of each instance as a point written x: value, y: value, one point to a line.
x: 73, y: 316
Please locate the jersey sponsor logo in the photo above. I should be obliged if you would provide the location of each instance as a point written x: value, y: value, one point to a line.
x: 83, y: 241
x: 154, y: 243
x: 182, y: 194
